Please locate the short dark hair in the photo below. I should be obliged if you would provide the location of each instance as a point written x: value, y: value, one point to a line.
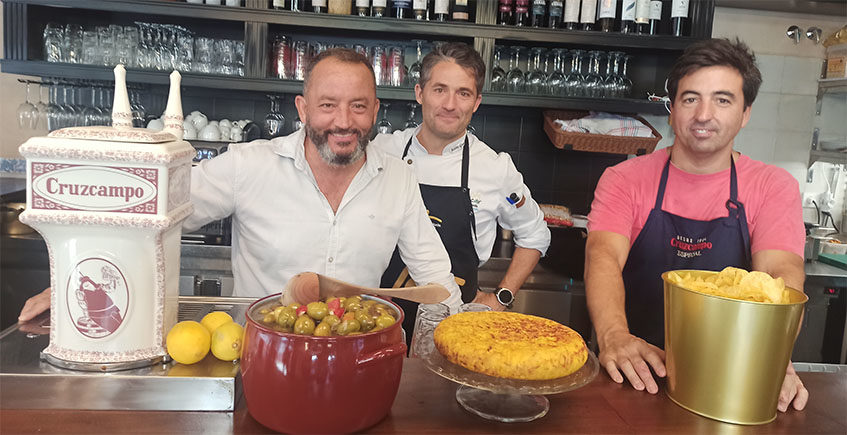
x: 718, y: 52
x: 463, y: 54
x: 345, y: 55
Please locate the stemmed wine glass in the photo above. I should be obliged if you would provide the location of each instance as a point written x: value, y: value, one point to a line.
x: 410, y: 121
x: 593, y: 81
x: 536, y: 77
x: 623, y: 79
x: 498, y: 75
x: 573, y: 79
x: 27, y: 113
x: 414, y: 73
x: 91, y: 114
x: 384, y: 126
x: 610, y: 83
x: 138, y: 111
x: 556, y: 78
x: 515, y: 78
x: 41, y: 106
x: 274, y: 122
x: 297, y: 124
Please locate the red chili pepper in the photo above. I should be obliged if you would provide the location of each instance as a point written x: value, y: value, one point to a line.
x: 300, y: 310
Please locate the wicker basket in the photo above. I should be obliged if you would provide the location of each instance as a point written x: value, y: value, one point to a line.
x: 598, y: 143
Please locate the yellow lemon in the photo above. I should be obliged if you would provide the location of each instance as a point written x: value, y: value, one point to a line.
x: 227, y: 340
x: 214, y: 319
x: 188, y: 342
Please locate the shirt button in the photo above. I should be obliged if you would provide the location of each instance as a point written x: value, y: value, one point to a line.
x: 334, y: 221
x: 329, y: 259
x: 409, y: 161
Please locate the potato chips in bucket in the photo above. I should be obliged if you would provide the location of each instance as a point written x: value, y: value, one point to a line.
x: 735, y: 283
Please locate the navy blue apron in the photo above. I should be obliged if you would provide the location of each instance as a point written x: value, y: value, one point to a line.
x: 451, y: 213
x: 669, y: 242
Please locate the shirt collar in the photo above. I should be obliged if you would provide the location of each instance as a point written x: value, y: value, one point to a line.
x: 293, y: 147
x: 451, y: 148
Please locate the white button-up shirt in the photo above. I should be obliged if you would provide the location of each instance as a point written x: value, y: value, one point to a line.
x: 492, y: 179
x: 283, y: 225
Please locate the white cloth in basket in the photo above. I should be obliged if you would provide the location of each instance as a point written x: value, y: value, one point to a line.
x: 606, y: 123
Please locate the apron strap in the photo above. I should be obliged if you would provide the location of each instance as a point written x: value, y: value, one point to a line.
x: 663, y: 182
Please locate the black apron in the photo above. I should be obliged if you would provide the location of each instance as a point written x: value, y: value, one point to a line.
x: 451, y: 213
x: 669, y: 242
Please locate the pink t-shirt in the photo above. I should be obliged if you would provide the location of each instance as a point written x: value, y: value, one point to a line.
x: 626, y: 193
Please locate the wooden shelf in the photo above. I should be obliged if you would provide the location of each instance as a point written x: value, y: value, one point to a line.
x: 836, y: 157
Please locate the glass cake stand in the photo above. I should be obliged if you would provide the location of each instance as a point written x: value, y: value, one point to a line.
x: 501, y: 399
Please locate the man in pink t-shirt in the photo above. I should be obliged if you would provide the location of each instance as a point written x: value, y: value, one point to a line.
x: 695, y: 205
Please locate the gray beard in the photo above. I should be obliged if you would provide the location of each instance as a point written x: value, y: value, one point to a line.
x: 321, y: 141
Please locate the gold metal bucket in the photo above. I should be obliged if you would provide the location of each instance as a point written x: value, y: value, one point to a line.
x: 726, y: 358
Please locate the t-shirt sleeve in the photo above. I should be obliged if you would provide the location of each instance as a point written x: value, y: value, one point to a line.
x: 613, y: 208
x: 779, y: 222
x: 525, y: 218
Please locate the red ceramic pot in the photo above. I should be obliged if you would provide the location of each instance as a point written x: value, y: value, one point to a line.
x: 303, y: 384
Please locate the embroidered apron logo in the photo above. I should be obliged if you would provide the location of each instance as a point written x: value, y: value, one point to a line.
x: 687, y: 247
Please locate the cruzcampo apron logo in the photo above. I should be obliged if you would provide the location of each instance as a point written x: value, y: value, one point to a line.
x: 687, y: 247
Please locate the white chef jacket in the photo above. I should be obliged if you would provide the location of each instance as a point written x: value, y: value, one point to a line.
x: 283, y: 225
x: 492, y: 178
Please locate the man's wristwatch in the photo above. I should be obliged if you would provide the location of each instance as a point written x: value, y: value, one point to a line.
x: 504, y: 296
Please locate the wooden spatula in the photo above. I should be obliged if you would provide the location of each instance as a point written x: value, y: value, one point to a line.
x: 309, y: 286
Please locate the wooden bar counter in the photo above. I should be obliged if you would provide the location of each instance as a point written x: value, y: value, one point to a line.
x: 426, y: 404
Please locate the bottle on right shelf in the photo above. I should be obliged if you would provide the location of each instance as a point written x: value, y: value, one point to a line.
x: 679, y: 17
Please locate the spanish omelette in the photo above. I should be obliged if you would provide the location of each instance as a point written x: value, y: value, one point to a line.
x: 510, y: 345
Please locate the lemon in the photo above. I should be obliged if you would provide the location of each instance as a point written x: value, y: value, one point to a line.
x: 214, y: 319
x: 227, y: 340
x: 188, y: 342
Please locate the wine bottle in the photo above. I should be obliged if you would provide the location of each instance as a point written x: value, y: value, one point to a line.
x: 554, y: 12
x: 642, y: 15
x: 655, y: 16
x: 521, y: 12
x: 505, y: 15
x: 536, y: 17
x: 608, y: 8
x: 679, y: 17
x: 319, y: 6
x: 571, y: 14
x: 402, y: 9
x: 379, y: 7
x: 587, y: 14
x: 628, y: 16
x: 419, y: 8
x: 460, y: 10
x: 441, y: 10
x: 363, y: 7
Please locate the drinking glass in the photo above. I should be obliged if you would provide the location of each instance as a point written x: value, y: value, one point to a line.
x: 593, y: 81
x: 42, y: 107
x: 536, y: 77
x: 107, y: 45
x: 274, y: 122
x: 299, y: 59
x: 184, y: 51
x: 203, y: 48
x: 27, y: 113
x: 379, y: 62
x: 515, y: 78
x: 498, y: 75
x: 238, y: 49
x: 281, y: 57
x: 573, y: 79
x: 297, y: 124
x: 91, y: 114
x: 396, y: 66
x: 138, y: 111
x: 473, y: 306
x: 53, y: 40
x: 554, y: 83
x: 52, y: 107
x: 610, y: 83
x: 624, y: 82
x: 410, y: 121
x: 72, y: 44
x: 414, y: 74
x: 429, y: 316
x: 226, y: 57
x: 384, y: 125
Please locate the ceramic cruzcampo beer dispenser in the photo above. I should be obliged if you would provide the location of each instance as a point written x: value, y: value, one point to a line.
x: 109, y: 202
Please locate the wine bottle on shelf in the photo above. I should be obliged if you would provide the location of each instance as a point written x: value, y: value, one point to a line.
x: 571, y: 14
x: 505, y: 15
x: 379, y: 7
x: 402, y: 9
x: 536, y: 17
x: 363, y: 7
x: 679, y: 17
x: 655, y: 16
x: 460, y: 10
x: 554, y: 14
x: 419, y: 9
x: 521, y: 13
x: 588, y: 14
x: 319, y: 6
x: 628, y: 16
x: 607, y: 15
x: 642, y: 15
x: 441, y: 10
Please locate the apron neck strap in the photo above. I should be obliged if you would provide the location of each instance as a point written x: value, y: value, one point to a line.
x: 465, y: 158
x: 733, y: 183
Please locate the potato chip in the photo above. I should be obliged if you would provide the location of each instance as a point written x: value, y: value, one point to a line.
x: 736, y: 283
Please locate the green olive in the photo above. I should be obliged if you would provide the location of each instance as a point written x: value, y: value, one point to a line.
x: 364, y: 319
x: 352, y: 304
x: 323, y: 330
x: 317, y: 310
x: 294, y: 306
x: 385, y: 321
x: 332, y: 320
x: 348, y: 326
x: 304, y: 325
x: 369, y: 303
x: 264, y: 311
x: 286, y: 317
x: 268, y: 319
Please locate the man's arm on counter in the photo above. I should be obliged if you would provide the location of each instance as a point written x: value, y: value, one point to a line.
x: 620, y: 351
x: 521, y: 266
x: 789, y: 267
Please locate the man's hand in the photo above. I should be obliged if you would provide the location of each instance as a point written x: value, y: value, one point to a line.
x: 792, y: 391
x: 489, y: 299
x: 624, y: 352
x: 35, y: 306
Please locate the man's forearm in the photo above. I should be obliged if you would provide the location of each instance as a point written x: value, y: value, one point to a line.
x: 604, y: 291
x: 521, y: 266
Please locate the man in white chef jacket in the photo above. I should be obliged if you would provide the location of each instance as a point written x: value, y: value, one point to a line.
x: 320, y: 199
x: 467, y: 187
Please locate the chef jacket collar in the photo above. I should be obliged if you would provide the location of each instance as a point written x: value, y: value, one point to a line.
x: 293, y: 147
x: 451, y: 148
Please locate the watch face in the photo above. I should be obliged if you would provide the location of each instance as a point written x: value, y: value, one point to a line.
x: 505, y: 296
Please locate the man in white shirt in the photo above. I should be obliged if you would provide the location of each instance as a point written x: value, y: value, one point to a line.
x: 319, y: 199
x: 467, y: 187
